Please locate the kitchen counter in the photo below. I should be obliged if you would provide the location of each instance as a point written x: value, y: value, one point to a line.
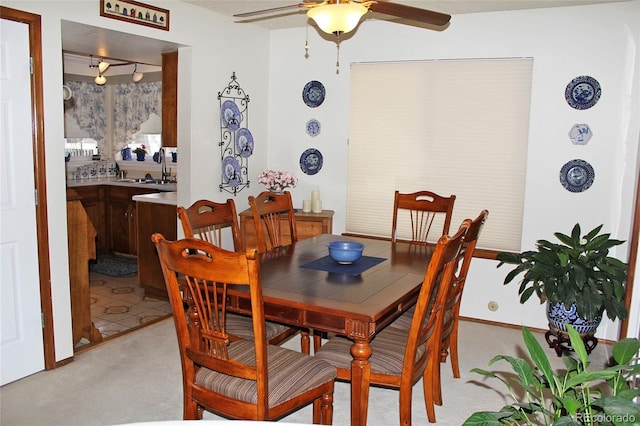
x: 112, y: 181
x: 169, y: 198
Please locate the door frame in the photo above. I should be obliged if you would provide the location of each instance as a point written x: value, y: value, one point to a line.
x: 39, y: 172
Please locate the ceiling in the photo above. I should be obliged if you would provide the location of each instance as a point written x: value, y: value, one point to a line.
x: 297, y: 17
x: 87, y: 40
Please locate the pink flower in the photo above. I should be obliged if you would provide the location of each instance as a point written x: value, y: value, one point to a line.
x: 277, y: 181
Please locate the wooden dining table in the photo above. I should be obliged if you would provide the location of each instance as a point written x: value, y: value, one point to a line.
x: 356, y: 306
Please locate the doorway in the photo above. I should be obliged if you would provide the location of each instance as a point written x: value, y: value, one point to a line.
x: 117, y: 303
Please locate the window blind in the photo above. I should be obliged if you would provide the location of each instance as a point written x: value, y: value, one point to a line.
x: 448, y: 126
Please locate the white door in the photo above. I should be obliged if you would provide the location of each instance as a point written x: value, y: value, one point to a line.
x: 22, y: 347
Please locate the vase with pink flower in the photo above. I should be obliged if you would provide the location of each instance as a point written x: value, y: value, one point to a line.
x: 277, y: 181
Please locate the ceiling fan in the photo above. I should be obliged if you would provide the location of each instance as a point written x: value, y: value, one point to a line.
x: 341, y: 16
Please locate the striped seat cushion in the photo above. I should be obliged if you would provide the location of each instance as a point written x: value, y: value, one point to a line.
x: 242, y: 326
x: 290, y: 374
x: 387, y: 352
x: 403, y: 322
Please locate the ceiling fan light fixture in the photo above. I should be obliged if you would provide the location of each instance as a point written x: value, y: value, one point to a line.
x: 337, y: 18
x: 100, y: 80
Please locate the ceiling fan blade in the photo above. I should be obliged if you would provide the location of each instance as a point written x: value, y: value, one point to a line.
x: 277, y: 9
x: 409, y: 12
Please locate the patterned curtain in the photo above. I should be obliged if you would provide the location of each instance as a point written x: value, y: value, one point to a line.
x: 88, y: 110
x: 133, y: 103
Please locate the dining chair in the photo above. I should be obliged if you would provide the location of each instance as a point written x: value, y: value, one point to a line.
x: 274, y: 219
x: 206, y: 220
x: 229, y: 376
x: 423, y: 208
x: 275, y: 222
x: 399, y: 358
x: 449, y: 333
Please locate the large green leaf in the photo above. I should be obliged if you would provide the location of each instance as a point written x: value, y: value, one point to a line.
x: 538, y: 356
x: 625, y: 349
x: 485, y: 418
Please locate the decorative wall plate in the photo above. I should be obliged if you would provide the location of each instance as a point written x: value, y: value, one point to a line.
x: 313, y: 94
x: 582, y: 92
x: 580, y: 134
x: 231, y: 171
x: 230, y: 115
x: 311, y: 161
x: 577, y: 175
x: 313, y: 127
x: 244, y: 142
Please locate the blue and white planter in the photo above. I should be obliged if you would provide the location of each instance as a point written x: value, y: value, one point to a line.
x: 558, y: 315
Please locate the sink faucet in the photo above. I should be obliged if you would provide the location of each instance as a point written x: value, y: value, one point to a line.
x: 162, y: 159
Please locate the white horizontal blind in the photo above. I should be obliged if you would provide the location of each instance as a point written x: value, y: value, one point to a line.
x: 448, y: 126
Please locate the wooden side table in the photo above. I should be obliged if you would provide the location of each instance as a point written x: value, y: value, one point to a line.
x: 307, y: 225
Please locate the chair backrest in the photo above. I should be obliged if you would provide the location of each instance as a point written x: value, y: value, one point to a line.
x: 423, y: 208
x: 205, y: 270
x: 427, y: 318
x: 274, y: 219
x: 452, y: 305
x: 206, y: 219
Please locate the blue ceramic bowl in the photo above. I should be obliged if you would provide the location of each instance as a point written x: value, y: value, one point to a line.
x: 345, y: 252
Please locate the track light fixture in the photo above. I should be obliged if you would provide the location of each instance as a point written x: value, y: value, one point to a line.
x: 100, y: 80
x: 103, y: 66
x: 137, y: 75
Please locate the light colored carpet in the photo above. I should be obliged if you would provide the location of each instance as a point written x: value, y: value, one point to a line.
x: 137, y: 378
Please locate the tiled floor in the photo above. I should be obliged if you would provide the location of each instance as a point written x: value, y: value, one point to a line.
x: 118, y: 305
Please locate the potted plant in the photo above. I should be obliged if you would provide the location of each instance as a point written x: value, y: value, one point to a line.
x: 576, y: 396
x: 576, y: 277
x: 140, y: 152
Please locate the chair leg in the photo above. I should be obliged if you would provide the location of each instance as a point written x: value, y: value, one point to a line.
x: 323, y: 410
x: 305, y: 342
x: 453, y: 348
x: 191, y: 410
x: 428, y: 388
x: 406, y: 394
x: 317, y: 340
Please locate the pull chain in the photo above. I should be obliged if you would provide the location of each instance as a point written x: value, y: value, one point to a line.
x: 338, y: 54
x: 306, y: 44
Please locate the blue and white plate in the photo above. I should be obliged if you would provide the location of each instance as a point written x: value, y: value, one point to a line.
x: 580, y: 134
x: 313, y: 93
x: 231, y: 171
x: 244, y: 142
x: 577, y: 175
x: 313, y: 127
x: 230, y: 115
x: 311, y: 161
x: 582, y: 92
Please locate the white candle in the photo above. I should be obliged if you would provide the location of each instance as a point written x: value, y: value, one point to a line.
x: 315, y: 195
x: 316, y: 206
x: 306, y: 206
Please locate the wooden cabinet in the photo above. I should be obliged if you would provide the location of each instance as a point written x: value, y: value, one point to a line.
x: 81, y: 239
x: 170, y: 99
x: 93, y: 199
x: 152, y: 218
x: 307, y: 225
x: 121, y: 218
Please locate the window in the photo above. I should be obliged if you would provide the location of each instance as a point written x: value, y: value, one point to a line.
x: 449, y: 126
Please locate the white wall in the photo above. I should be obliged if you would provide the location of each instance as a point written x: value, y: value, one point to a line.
x: 601, y: 41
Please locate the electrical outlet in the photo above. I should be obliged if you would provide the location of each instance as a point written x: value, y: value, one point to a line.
x: 493, y: 306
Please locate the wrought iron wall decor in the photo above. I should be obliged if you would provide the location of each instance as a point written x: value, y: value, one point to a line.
x: 236, y: 141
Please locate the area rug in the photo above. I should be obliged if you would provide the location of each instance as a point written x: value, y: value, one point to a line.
x: 113, y: 266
